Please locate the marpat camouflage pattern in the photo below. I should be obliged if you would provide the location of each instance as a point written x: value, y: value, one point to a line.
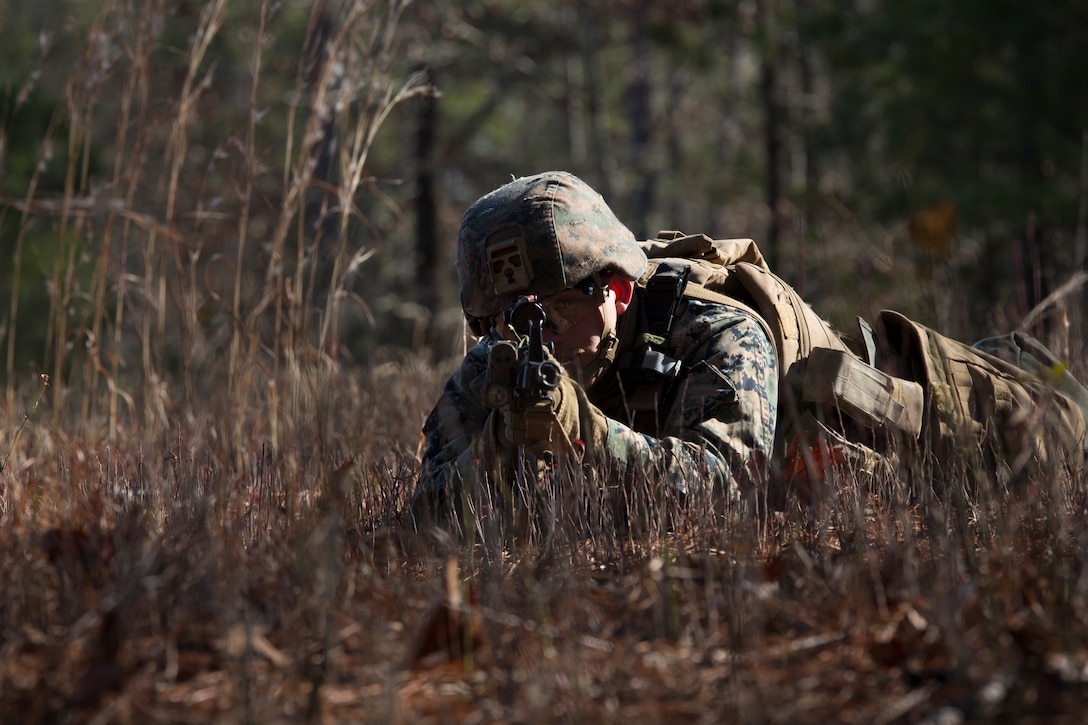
x: 549, y: 231
x: 717, y: 428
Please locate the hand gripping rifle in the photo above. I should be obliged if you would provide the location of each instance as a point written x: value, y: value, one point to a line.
x: 521, y: 377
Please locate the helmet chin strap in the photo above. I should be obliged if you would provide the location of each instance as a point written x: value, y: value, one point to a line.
x: 606, y: 354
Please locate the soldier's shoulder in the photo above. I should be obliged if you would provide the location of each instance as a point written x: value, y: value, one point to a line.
x: 702, y: 319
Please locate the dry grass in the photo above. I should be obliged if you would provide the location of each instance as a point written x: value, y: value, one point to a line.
x: 202, y: 517
x: 186, y: 587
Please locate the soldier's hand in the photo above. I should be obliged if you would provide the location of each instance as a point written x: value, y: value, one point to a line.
x: 563, y: 422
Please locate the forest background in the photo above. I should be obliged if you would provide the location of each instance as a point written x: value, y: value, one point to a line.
x: 226, y: 242
x: 932, y: 159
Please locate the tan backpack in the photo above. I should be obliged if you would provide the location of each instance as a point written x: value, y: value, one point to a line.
x: 861, y: 400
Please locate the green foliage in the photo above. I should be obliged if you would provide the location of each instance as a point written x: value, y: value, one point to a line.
x: 971, y: 101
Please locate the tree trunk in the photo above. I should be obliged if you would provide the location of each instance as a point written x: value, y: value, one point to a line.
x: 674, y: 147
x: 591, y: 64
x: 641, y: 114
x: 811, y: 156
x: 320, y: 199
x: 426, y: 203
x: 1034, y: 240
x: 772, y: 121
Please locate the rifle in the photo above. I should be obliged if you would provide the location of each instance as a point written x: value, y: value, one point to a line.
x: 521, y: 376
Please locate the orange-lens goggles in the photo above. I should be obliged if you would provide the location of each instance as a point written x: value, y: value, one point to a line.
x: 563, y: 310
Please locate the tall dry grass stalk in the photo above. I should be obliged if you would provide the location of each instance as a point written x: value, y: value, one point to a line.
x: 205, y: 440
x: 185, y: 269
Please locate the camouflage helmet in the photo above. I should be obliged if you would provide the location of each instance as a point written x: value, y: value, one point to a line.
x: 540, y: 234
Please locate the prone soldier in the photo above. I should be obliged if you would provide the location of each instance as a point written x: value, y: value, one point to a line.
x: 695, y: 414
x: 658, y: 373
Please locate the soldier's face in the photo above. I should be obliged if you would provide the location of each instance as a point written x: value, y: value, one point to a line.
x: 577, y: 319
x: 577, y: 340
x: 577, y: 337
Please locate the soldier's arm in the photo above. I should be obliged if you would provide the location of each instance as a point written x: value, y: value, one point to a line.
x: 721, y: 415
x: 719, y: 427
x: 456, y: 421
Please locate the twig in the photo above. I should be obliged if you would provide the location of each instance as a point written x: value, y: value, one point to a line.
x: 11, y: 450
x: 1080, y: 254
x: 1053, y: 298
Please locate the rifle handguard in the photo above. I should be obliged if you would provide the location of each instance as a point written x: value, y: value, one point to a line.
x: 502, y: 364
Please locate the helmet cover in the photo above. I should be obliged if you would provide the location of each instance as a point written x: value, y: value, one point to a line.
x: 539, y: 234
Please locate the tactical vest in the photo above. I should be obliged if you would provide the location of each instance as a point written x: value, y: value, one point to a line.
x: 870, y: 400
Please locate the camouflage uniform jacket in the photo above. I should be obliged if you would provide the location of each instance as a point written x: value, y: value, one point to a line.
x: 717, y: 422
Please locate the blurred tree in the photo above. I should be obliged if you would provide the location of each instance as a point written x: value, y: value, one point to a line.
x: 768, y: 38
x: 979, y: 102
x: 426, y: 204
x: 34, y: 159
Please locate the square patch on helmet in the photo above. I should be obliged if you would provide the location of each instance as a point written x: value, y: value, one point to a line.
x: 508, y: 262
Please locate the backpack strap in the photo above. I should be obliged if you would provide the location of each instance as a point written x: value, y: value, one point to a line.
x: 667, y: 285
x: 662, y: 296
x: 696, y: 291
x: 647, y: 369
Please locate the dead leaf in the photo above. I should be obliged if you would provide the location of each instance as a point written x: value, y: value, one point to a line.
x: 934, y: 228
